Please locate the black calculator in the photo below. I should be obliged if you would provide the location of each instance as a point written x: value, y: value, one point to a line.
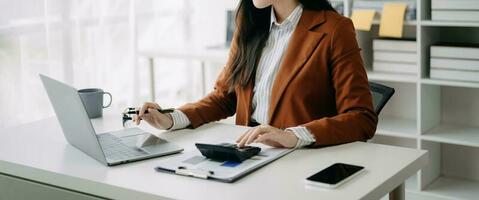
x: 227, y: 151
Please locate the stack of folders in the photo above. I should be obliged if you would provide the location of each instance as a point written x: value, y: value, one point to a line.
x: 457, y: 10
x: 378, y: 7
x: 455, y: 63
x: 395, y: 56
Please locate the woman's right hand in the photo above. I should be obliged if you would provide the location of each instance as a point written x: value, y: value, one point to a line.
x: 153, y: 117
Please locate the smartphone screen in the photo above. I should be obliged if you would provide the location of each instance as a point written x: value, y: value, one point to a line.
x: 335, y: 173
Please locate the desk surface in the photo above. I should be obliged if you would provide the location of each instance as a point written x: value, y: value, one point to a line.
x: 38, y: 151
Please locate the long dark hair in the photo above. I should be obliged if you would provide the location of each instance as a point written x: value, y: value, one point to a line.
x: 252, y: 32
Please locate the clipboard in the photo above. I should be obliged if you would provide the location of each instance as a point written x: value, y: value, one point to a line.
x: 193, y: 164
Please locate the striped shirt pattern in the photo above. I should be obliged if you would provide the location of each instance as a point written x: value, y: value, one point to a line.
x: 268, y: 67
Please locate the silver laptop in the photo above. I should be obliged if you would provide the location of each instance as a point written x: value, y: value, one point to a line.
x: 111, y: 148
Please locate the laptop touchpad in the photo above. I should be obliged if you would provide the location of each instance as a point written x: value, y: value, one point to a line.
x: 147, y: 141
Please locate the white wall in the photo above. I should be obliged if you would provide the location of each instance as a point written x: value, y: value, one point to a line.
x: 102, y: 40
x: 209, y: 20
x: 208, y: 29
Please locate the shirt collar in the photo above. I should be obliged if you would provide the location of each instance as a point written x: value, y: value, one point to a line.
x: 291, y: 20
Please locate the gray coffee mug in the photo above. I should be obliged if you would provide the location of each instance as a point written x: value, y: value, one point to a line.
x: 93, y: 101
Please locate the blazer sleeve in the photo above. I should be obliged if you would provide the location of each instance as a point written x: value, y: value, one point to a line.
x: 217, y: 105
x: 356, y: 119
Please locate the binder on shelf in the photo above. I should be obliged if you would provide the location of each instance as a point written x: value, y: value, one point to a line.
x: 441, y: 51
x: 395, y: 56
x: 457, y: 10
x: 406, y: 57
x: 455, y: 64
x: 455, y: 15
x: 454, y: 5
x: 395, y: 67
x: 455, y: 75
x: 395, y: 45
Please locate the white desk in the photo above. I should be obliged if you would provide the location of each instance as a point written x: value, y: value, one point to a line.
x: 202, y: 54
x: 38, y: 152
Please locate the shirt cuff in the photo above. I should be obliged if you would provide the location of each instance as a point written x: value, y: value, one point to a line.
x: 180, y: 120
x: 305, y: 137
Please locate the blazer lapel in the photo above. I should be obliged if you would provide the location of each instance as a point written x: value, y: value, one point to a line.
x: 301, y: 45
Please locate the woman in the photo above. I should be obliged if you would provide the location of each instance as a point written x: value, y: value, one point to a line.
x: 294, y: 73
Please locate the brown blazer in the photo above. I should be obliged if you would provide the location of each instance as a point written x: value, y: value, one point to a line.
x: 321, y: 85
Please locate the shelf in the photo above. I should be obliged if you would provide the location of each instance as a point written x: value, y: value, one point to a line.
x: 406, y: 23
x: 449, y: 23
x: 450, y: 83
x: 397, y: 127
x: 451, y: 188
x: 390, y: 77
x: 434, y: 102
x: 454, y: 134
x: 419, y: 196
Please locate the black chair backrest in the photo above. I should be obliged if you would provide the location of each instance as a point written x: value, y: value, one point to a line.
x: 381, y: 95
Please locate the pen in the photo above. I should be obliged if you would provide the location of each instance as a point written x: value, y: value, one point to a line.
x: 134, y: 111
x: 185, y: 168
x: 162, y: 111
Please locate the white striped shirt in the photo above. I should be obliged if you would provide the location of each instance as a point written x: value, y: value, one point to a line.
x: 268, y: 67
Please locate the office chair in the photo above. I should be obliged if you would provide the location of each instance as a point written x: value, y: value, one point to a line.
x: 381, y: 95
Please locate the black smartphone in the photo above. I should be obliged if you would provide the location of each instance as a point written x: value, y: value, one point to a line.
x: 334, y: 175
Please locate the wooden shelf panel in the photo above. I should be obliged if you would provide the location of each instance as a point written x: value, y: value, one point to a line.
x: 454, y: 134
x: 449, y: 23
x: 451, y: 188
x: 391, y: 77
x: 450, y: 83
x: 397, y: 127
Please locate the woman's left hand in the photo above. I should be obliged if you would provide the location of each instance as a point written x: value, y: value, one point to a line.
x: 268, y: 135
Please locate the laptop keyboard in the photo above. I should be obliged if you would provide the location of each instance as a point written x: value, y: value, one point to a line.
x: 115, y: 150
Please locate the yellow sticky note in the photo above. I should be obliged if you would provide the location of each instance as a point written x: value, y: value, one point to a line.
x: 363, y: 19
x: 392, y: 20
